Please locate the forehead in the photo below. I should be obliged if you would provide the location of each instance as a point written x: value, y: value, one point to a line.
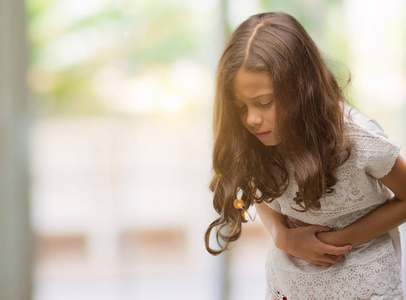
x: 249, y: 84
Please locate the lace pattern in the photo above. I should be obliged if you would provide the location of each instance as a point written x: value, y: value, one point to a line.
x: 370, y: 271
x: 355, y: 276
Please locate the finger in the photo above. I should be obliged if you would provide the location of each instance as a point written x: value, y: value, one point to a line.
x: 335, y: 256
x: 327, y: 259
x: 322, y: 263
x: 328, y: 249
x: 319, y: 228
x: 330, y: 259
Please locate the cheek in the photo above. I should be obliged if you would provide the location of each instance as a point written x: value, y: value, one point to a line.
x: 243, y: 119
x: 271, y: 117
x: 274, y: 118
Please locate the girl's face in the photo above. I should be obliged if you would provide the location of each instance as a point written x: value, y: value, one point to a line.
x: 255, y: 104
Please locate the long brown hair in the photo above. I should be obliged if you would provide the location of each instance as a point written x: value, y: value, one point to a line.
x: 309, y: 122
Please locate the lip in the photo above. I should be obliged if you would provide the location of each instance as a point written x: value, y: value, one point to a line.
x: 262, y: 134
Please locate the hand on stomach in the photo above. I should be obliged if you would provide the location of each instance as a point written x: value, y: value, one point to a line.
x: 312, y: 243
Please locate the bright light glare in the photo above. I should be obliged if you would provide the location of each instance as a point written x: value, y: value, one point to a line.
x: 190, y: 80
x: 172, y: 104
x: 167, y: 91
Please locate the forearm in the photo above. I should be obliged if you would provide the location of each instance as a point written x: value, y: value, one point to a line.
x: 274, y: 222
x: 380, y: 221
x: 300, y: 242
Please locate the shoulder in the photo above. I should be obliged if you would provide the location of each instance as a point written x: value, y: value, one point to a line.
x: 359, y: 125
x: 371, y: 147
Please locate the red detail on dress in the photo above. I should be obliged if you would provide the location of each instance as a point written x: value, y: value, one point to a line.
x: 284, y: 298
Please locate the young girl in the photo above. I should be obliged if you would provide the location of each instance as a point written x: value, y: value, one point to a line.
x: 327, y: 183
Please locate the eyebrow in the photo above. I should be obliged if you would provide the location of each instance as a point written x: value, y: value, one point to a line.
x: 266, y: 94
x: 254, y: 98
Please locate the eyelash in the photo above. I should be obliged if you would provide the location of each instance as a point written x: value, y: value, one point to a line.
x: 266, y: 104
x: 242, y: 108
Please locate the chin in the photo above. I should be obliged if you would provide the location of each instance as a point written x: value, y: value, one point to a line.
x: 270, y: 143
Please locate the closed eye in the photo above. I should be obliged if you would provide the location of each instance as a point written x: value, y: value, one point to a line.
x: 266, y: 104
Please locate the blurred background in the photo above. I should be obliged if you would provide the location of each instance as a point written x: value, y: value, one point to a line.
x: 106, y: 139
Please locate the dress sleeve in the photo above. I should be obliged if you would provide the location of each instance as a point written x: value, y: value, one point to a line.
x: 275, y: 206
x: 375, y: 152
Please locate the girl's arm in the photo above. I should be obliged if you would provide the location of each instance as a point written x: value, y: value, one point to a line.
x: 383, y: 219
x: 300, y: 242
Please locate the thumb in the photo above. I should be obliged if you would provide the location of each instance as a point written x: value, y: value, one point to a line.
x: 319, y: 228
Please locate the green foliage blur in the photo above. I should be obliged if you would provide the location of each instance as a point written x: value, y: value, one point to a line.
x: 75, y: 43
x: 71, y: 43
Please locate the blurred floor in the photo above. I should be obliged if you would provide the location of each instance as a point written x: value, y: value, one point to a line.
x: 152, y: 277
x: 154, y: 270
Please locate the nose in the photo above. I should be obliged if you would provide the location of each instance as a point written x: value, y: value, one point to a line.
x: 254, y: 118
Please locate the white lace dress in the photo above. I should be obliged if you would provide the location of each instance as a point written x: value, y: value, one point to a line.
x: 369, y: 271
